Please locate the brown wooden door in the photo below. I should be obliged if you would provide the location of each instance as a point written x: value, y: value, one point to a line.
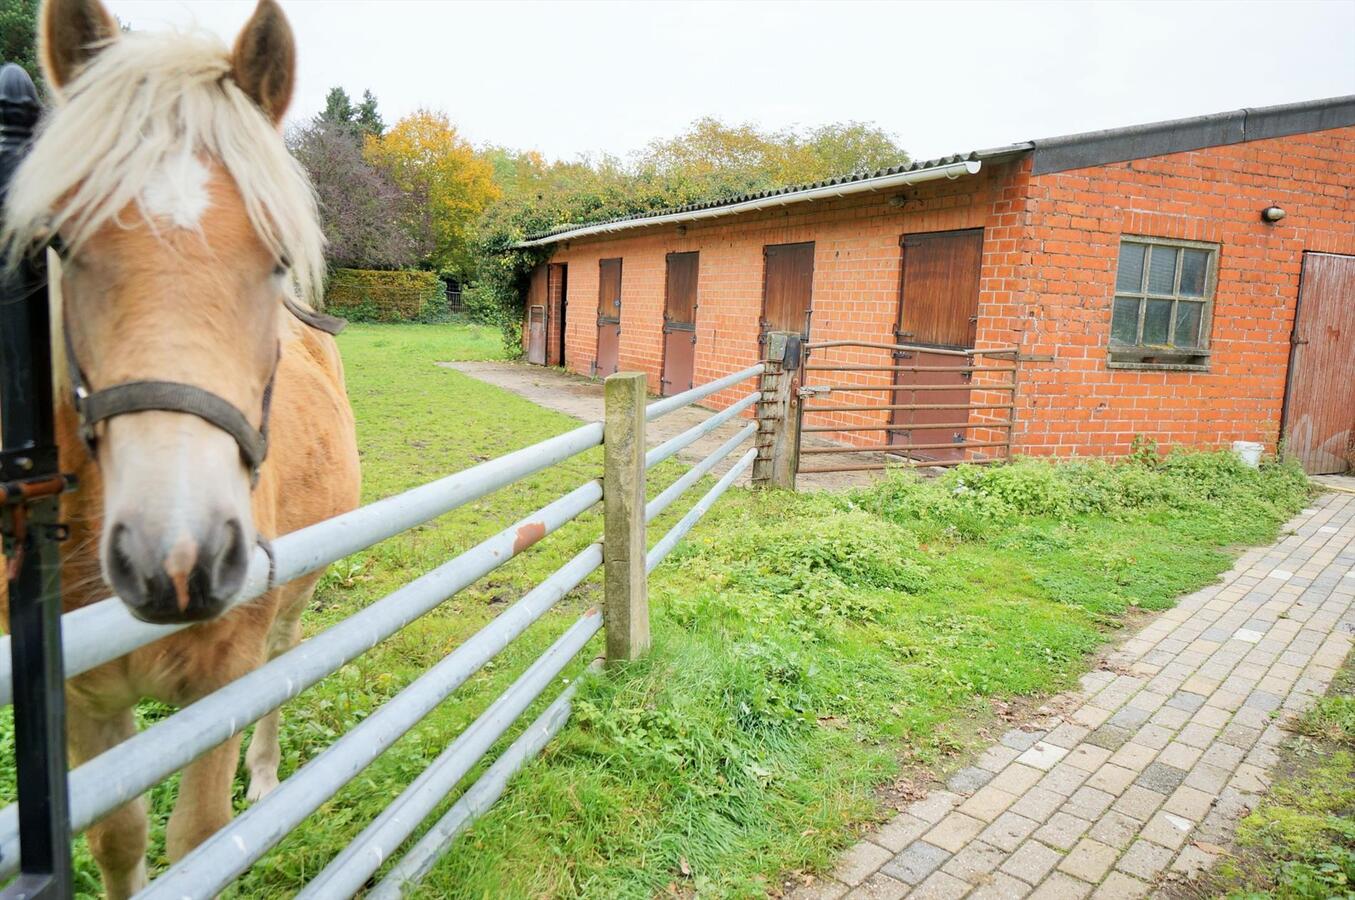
x: 679, y: 324
x: 609, y: 317
x: 1319, y: 403
x: 789, y: 286
x: 938, y: 307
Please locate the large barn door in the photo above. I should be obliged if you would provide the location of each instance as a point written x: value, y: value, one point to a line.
x: 609, y: 317
x: 938, y: 307
x: 679, y: 324
x: 1319, y: 403
x: 788, y: 291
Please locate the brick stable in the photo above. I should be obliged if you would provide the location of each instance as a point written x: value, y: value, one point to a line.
x: 1050, y: 249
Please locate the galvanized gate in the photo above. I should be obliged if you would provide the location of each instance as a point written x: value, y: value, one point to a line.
x: 939, y: 407
x: 45, y: 647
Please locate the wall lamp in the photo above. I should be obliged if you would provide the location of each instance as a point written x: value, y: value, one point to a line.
x: 1272, y: 214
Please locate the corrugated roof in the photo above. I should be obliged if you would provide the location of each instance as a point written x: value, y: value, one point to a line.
x: 1055, y: 154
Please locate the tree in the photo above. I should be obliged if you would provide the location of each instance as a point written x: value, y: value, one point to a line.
x: 368, y: 118
x: 360, y: 207
x: 19, y: 37
x: 446, y: 185
x: 338, y: 108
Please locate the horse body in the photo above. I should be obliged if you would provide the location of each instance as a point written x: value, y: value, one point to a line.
x: 183, y: 220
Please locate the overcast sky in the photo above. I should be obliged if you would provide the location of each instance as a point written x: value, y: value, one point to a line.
x: 572, y: 78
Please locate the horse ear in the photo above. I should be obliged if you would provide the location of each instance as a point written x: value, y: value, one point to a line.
x: 264, y: 60
x: 73, y: 31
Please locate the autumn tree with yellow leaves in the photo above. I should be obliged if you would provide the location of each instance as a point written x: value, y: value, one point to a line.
x: 446, y: 186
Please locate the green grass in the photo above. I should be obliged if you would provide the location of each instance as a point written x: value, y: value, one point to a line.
x: 1299, y: 843
x: 806, y: 647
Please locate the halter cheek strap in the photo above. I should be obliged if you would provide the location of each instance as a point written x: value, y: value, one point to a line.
x: 94, y: 407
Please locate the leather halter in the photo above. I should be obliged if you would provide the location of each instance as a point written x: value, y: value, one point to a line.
x: 93, y: 407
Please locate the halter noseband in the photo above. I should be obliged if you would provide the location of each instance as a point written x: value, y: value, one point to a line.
x: 94, y: 407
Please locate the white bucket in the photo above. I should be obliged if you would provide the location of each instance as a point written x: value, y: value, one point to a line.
x: 1249, y: 452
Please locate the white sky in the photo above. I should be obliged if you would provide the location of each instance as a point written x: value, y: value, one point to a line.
x: 572, y: 78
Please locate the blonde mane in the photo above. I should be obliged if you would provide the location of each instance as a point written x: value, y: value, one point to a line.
x: 144, y: 103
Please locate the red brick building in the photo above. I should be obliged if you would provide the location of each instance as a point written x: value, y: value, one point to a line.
x: 1190, y: 281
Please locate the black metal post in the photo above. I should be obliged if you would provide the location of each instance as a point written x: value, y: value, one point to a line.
x: 30, y: 481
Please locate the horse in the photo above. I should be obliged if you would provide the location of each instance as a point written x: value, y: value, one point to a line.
x: 202, y: 413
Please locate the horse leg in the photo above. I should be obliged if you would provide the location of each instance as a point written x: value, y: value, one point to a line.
x: 203, y: 806
x: 118, y: 840
x: 265, y: 753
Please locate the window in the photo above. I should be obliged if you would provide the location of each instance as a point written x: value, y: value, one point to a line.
x: 1164, y: 293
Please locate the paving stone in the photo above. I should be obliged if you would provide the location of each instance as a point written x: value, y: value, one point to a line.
x: 1170, y: 717
x: 1139, y: 802
x: 995, y: 758
x: 1167, y: 829
x: 940, y: 886
x: 974, y: 861
x: 1008, y: 831
x: 1197, y: 735
x: 1189, y: 802
x: 914, y: 864
x: 934, y: 807
x: 1185, y: 700
x: 1090, y: 716
x: 1144, y: 860
x: 1061, y: 887
x: 952, y: 832
x: 1192, y: 861
x: 1088, y: 803
x: 1161, y: 777
x: 822, y: 889
x: 1119, y: 886
x: 1001, y: 886
x: 1087, y: 757
x: 1179, y: 756
x: 900, y: 831
x: 1112, y: 779
x: 1250, y: 778
x: 1239, y: 736
x: 1020, y: 740
x: 860, y: 862
x: 1042, y: 755
x: 1115, y: 829
x: 1038, y: 803
x: 1065, y: 778
x: 1222, y: 755
x: 1089, y: 860
x: 1062, y: 830
x: 969, y: 779
x: 1133, y: 756
x: 1110, y: 737
x: 1263, y: 700
x: 1031, y: 862
x: 1017, y: 779
x: 1067, y: 735
x: 988, y: 803
x: 1208, y: 778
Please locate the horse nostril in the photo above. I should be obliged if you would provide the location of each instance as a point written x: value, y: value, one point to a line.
x: 229, y: 562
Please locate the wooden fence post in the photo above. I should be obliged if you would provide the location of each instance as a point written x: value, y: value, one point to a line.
x: 626, y: 594
x: 778, y: 414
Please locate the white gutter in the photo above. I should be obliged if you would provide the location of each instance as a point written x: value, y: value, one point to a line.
x: 950, y: 171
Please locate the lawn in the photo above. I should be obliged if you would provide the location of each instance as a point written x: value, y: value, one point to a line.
x: 807, y: 648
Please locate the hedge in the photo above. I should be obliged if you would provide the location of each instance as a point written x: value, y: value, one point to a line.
x: 373, y: 295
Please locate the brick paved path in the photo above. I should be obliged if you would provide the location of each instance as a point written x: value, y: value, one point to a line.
x: 1159, y: 753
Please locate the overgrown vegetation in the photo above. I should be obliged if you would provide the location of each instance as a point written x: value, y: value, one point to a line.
x: 1299, y: 843
x: 372, y: 295
x: 806, y: 647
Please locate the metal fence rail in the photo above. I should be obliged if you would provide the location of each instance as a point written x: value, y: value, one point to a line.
x: 105, y: 631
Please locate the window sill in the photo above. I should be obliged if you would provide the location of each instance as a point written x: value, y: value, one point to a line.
x: 1148, y: 358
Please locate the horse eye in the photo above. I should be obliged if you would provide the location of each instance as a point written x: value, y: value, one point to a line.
x: 280, y: 270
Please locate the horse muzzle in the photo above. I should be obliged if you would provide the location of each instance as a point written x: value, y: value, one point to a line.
x: 186, y: 577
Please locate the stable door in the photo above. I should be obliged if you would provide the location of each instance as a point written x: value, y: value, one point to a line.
x: 679, y: 324
x: 609, y: 318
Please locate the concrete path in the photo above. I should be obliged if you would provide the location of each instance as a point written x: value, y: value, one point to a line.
x: 581, y: 397
x: 1142, y: 774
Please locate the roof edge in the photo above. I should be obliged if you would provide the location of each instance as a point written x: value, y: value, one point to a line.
x: 1094, y: 148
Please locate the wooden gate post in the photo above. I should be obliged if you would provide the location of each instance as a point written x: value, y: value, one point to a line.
x: 778, y: 414
x: 626, y: 592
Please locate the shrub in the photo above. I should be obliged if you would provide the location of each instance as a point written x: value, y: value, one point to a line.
x: 371, y: 295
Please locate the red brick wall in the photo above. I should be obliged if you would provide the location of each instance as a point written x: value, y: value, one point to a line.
x: 1051, y: 244
x: 856, y: 279
x: 1055, y: 297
